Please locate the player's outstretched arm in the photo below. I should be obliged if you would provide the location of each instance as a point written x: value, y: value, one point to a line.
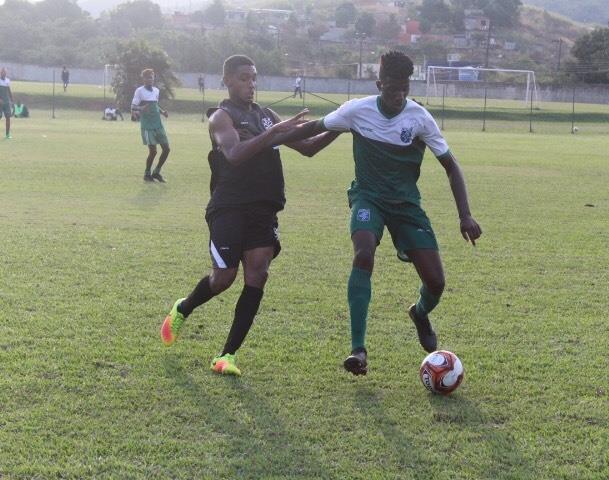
x: 308, y: 146
x: 237, y: 151
x: 470, y: 229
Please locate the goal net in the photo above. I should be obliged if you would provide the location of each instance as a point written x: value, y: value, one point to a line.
x: 474, y: 82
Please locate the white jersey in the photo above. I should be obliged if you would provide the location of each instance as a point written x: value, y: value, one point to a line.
x: 387, y: 149
x: 364, y: 116
x: 143, y: 95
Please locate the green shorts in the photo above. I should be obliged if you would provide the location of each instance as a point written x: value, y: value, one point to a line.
x: 408, y: 225
x: 155, y: 137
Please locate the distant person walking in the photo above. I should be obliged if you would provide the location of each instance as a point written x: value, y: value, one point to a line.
x: 202, y: 84
x: 297, y: 86
x: 65, y: 78
x: 6, y: 99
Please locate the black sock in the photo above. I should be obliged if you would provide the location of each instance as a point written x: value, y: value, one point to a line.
x: 245, y: 311
x: 201, y: 294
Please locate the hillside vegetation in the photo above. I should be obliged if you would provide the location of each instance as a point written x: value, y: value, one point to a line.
x: 589, y: 11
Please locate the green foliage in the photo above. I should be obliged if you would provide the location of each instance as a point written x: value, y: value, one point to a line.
x: 365, y: 23
x: 592, y: 54
x: 389, y: 29
x: 215, y: 13
x: 502, y: 13
x: 346, y: 14
x: 450, y: 13
x: 433, y: 13
x: 592, y: 11
x: 137, y: 15
x: 131, y: 58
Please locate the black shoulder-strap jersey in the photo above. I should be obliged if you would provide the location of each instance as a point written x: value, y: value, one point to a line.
x: 259, y: 179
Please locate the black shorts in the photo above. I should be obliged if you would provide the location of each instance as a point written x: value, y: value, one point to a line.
x: 234, y: 230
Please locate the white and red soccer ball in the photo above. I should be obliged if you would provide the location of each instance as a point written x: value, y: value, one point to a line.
x: 441, y: 372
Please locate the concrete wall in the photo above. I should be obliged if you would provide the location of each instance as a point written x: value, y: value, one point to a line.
x: 598, y: 94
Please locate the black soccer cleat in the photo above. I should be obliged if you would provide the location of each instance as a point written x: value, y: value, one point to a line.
x: 357, y: 362
x: 157, y: 176
x: 148, y: 178
x: 427, y: 337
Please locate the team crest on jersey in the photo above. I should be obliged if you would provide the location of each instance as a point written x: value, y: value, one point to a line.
x: 406, y: 135
x: 267, y: 122
x: 363, y: 215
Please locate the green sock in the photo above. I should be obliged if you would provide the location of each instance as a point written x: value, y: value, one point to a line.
x: 359, y: 292
x: 427, y: 302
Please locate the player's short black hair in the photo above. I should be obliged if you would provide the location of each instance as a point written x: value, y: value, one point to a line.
x: 232, y: 63
x: 395, y: 64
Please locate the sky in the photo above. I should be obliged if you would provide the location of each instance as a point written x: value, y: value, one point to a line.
x: 95, y: 7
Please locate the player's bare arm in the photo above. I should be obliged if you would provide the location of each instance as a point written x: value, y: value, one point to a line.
x: 302, y: 131
x: 312, y: 145
x: 470, y: 229
x: 237, y: 151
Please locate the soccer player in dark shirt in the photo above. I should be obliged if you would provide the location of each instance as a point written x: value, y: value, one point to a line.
x: 65, y: 78
x: 247, y: 191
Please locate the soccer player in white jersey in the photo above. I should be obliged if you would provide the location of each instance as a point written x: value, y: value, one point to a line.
x: 146, y: 105
x: 6, y: 99
x: 390, y: 135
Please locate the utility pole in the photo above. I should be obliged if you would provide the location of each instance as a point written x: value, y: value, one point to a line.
x: 488, y: 43
x: 361, y: 36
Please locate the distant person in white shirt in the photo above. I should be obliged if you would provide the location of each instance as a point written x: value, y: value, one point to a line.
x: 297, y: 87
x: 6, y: 100
x: 146, y: 106
x: 112, y: 114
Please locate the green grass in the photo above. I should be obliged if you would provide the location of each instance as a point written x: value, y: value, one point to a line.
x: 93, y: 258
x: 458, y: 114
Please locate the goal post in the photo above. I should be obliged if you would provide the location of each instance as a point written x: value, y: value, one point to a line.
x: 109, y: 72
x: 473, y: 82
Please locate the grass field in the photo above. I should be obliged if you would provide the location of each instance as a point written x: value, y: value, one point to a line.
x: 92, y: 259
x: 457, y: 114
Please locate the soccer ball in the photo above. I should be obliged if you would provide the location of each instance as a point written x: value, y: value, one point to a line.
x: 441, y: 372
x: 575, y: 129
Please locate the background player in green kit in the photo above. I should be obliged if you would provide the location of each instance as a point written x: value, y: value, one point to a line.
x: 6, y: 98
x: 390, y: 134
x: 146, y: 105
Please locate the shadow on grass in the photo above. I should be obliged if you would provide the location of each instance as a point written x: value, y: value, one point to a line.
x: 504, y: 459
x: 149, y: 194
x: 404, y: 454
x: 501, y: 457
x: 261, y: 444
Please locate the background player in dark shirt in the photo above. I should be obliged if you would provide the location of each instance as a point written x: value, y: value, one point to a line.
x: 247, y: 191
x: 65, y: 78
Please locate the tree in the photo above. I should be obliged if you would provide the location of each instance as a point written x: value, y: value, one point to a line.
x: 346, y: 13
x: 592, y: 54
x: 139, y: 14
x: 55, y: 9
x: 215, y: 13
x: 502, y: 13
x: 365, y: 24
x: 131, y: 58
x: 389, y: 29
x: 434, y: 12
